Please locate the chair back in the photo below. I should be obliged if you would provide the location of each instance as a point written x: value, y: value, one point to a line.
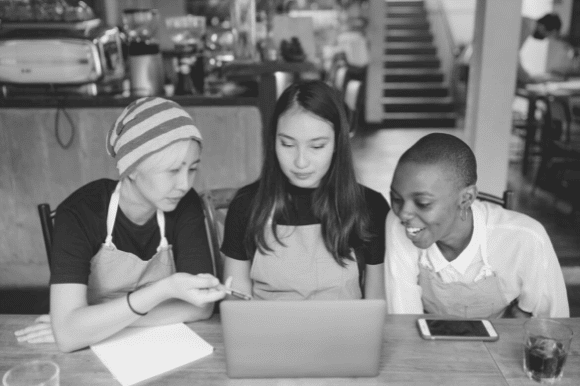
x: 352, y: 98
x: 47, y: 224
x: 506, y: 201
x: 557, y: 122
x: 215, y: 204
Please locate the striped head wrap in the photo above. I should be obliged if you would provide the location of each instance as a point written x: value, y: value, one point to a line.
x: 146, y: 126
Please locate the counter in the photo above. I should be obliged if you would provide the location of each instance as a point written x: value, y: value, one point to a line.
x: 37, y: 166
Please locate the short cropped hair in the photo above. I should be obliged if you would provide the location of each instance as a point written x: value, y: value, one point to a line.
x: 440, y: 148
x: 551, y: 22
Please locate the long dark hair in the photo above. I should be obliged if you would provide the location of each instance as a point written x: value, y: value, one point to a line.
x: 338, y: 201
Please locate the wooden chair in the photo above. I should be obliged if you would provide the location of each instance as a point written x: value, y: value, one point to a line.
x: 47, y: 224
x: 215, y: 204
x: 506, y: 201
x: 560, y: 150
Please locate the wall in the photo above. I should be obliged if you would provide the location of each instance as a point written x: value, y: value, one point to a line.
x: 36, y: 169
x: 460, y: 15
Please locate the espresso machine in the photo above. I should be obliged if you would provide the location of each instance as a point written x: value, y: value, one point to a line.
x: 144, y: 56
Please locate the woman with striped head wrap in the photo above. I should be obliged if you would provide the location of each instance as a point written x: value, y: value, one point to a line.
x: 133, y: 251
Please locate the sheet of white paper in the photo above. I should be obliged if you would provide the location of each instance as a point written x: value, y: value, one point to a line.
x: 138, y: 353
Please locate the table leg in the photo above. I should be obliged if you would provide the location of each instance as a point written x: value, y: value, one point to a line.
x: 530, y: 133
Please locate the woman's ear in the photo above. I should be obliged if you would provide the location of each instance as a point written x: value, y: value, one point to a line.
x: 468, y: 196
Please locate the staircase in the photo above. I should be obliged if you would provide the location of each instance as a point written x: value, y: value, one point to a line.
x: 414, y: 94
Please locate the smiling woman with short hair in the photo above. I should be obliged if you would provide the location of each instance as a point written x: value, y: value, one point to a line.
x: 448, y: 253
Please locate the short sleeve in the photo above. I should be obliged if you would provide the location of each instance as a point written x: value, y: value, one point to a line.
x: 403, y: 292
x: 189, y: 237
x: 543, y: 290
x: 71, y: 251
x: 237, y: 220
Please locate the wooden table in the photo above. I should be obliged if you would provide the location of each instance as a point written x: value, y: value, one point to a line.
x: 407, y: 359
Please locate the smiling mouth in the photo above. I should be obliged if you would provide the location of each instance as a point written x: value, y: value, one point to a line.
x: 413, y: 232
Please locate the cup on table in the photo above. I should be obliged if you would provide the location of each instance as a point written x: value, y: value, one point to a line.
x: 35, y: 373
x: 546, y: 346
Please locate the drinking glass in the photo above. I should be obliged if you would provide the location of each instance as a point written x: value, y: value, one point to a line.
x: 35, y: 373
x: 546, y: 346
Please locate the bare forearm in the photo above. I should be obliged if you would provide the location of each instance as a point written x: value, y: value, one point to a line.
x: 375, y: 282
x: 86, y: 325
x: 174, y: 311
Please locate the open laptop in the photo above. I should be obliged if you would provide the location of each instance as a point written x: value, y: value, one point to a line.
x: 306, y: 338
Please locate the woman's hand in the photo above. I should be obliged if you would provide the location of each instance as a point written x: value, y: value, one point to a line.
x: 195, y: 289
x: 39, y: 332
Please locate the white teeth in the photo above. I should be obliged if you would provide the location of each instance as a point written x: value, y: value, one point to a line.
x: 413, y: 231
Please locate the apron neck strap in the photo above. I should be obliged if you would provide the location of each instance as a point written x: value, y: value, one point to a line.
x: 112, y: 215
x: 480, y: 231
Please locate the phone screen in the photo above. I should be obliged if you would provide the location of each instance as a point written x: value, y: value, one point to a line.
x: 457, y: 328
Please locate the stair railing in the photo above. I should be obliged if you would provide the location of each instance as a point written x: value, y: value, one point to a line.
x: 443, y: 39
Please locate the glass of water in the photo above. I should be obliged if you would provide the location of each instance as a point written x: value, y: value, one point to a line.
x: 35, y: 373
x: 546, y: 347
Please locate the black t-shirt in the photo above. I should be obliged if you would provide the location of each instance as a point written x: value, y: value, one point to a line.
x: 80, y: 230
x: 301, y: 213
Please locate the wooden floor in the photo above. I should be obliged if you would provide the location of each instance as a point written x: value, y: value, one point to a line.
x: 376, y: 153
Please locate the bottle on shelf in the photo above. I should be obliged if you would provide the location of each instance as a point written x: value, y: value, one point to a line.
x: 184, y: 84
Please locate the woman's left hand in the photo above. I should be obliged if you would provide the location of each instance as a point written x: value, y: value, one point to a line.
x: 39, y: 332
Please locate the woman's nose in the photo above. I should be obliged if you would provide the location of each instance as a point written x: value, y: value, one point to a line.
x: 405, y: 213
x: 183, y: 180
x: 300, y: 159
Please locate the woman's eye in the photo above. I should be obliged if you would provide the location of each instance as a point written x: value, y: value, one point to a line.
x: 193, y: 170
x: 284, y: 144
x: 423, y: 205
x: 318, y: 147
x: 174, y: 171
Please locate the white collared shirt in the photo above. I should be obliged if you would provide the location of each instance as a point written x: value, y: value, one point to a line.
x: 518, y: 250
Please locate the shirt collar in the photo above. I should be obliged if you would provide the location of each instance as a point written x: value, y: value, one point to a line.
x: 466, y: 257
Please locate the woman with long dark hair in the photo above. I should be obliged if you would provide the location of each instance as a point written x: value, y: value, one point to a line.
x: 306, y: 229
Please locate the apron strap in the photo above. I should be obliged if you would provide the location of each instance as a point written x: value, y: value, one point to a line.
x: 112, y: 215
x: 163, y: 244
x: 480, y: 232
x: 361, y: 271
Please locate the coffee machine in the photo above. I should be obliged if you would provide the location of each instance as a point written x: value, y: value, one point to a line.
x: 144, y: 56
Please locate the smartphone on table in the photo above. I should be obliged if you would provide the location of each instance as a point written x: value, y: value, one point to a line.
x: 457, y: 329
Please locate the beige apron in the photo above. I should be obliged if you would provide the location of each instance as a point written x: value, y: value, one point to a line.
x: 481, y: 298
x: 302, y: 268
x: 114, y: 272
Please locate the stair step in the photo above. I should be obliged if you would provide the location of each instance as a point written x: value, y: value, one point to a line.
x: 435, y: 77
x: 426, y: 90
x: 405, y: 3
x: 410, y: 86
x: 421, y: 28
x: 406, y: 11
x: 428, y: 49
x: 407, y: 32
x: 390, y: 37
x: 417, y: 104
x: 410, y: 71
x: 407, y: 23
x: 412, y: 75
x: 411, y: 61
x: 419, y: 120
x: 409, y: 45
x: 410, y: 58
